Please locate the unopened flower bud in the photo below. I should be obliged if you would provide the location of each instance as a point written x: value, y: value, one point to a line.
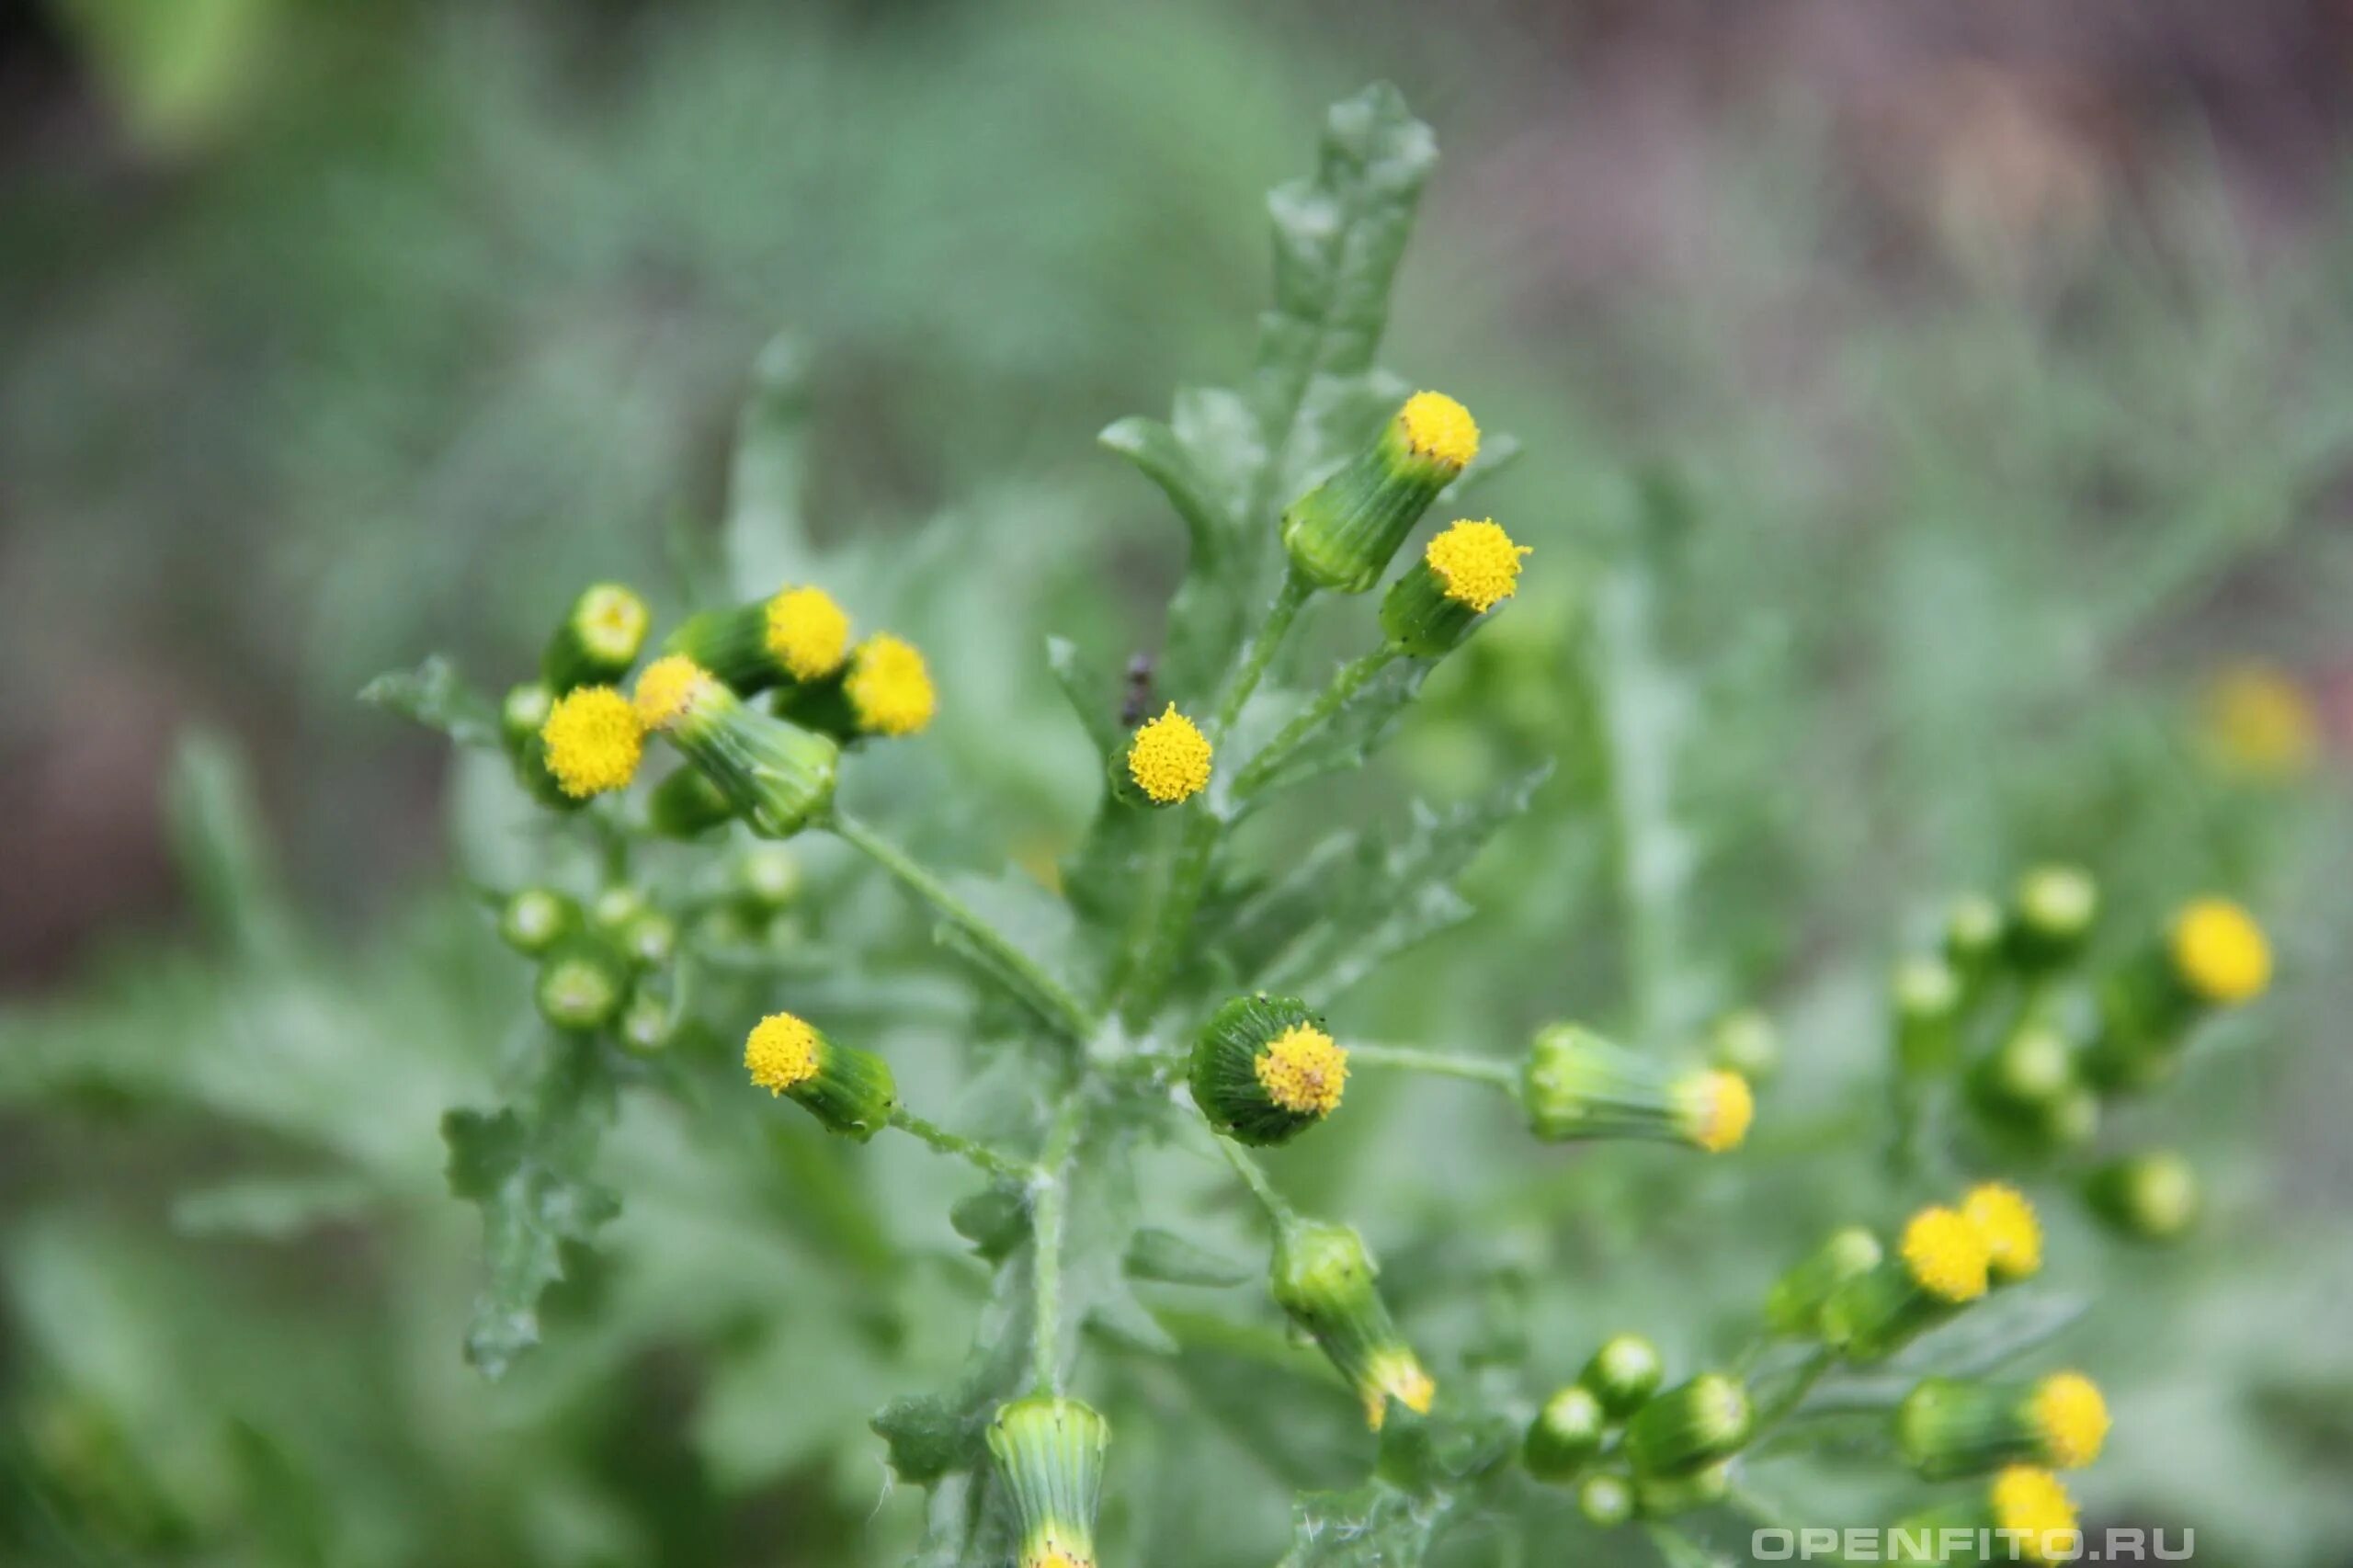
x: 1464, y: 573
x: 1795, y: 1304
x: 647, y: 1024
x: 1664, y: 1497
x: 598, y: 640
x: 1927, y: 997
x: 1974, y: 934
x: 767, y: 876
x: 2153, y: 1195
x: 2052, y: 917
x: 1689, y: 1427
x: 1264, y: 1071
x: 650, y: 939
x: 797, y: 635
x: 1323, y: 1279
x: 1049, y: 1456
x: 1168, y: 761
x: 616, y: 906
x: 521, y: 718
x: 535, y: 919
x: 1579, y: 1085
x: 1624, y: 1372
x: 1744, y: 1041
x: 777, y: 775
x: 1607, y: 1500
x: 1565, y: 1435
x: 1342, y: 534
x: 1939, y: 1267
x: 1949, y: 1427
x: 686, y: 804
x: 849, y: 1090
x: 582, y: 983
x: 2020, y: 1079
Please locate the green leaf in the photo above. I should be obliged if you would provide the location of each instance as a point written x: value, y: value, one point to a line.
x: 766, y: 537
x: 223, y: 852
x: 996, y: 1219
x: 527, y: 1169
x: 930, y: 1436
x: 272, y: 1210
x: 1360, y: 725
x: 437, y: 697
x: 1172, y: 1259
x: 1372, y: 1526
x: 1094, y: 696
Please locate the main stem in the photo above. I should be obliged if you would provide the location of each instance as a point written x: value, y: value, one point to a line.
x: 1048, y: 996
x: 1346, y: 684
x: 1505, y: 1076
x: 1046, y: 1208
x: 963, y: 1148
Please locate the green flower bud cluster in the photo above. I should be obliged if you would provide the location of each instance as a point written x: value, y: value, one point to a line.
x: 604, y: 967
x: 1631, y: 1448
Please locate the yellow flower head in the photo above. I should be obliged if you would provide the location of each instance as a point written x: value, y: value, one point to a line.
x: 807, y: 632
x: 2031, y: 1503
x: 2013, y: 1236
x: 594, y: 741
x: 1477, y: 562
x: 1170, y: 758
x: 669, y: 690
x: 2220, y: 951
x: 1945, y: 1254
x: 780, y: 1052
x: 1051, y: 1554
x: 1436, y: 426
x: 2072, y: 1419
x: 1397, y: 1374
x: 1303, y: 1070
x: 1718, y: 1107
x: 2258, y: 724
x: 889, y: 687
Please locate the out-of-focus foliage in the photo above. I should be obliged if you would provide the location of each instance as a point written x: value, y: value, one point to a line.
x: 1848, y: 592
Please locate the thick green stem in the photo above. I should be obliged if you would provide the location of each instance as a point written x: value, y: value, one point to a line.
x: 1051, y: 999
x: 1786, y: 1402
x: 1505, y: 1076
x: 1349, y: 680
x: 1050, y: 1195
x: 963, y: 1148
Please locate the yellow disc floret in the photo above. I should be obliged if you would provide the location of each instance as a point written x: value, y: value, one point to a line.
x: 1170, y: 758
x: 1477, y: 562
x: 2072, y: 1418
x: 594, y: 741
x: 781, y: 1051
x: 2013, y: 1236
x: 1719, y: 1106
x: 807, y: 632
x: 2220, y: 951
x: 1436, y: 426
x: 1396, y: 1374
x: 1303, y: 1070
x: 1051, y: 1554
x: 888, y: 688
x: 2032, y: 1506
x: 670, y: 688
x: 1945, y: 1254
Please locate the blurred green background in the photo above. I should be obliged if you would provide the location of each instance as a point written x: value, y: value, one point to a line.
x: 1963, y: 394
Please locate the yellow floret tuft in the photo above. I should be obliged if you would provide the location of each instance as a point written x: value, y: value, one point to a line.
x: 1945, y: 1254
x: 2030, y: 1504
x: 1396, y: 1374
x: 1052, y: 1554
x: 2258, y: 724
x: 1477, y: 562
x: 1303, y: 1070
x: 807, y: 632
x: 889, y: 687
x: 1436, y: 426
x: 669, y: 690
x: 2013, y: 1236
x: 594, y: 741
x: 2072, y: 1418
x: 1170, y: 758
x: 1719, y: 1107
x: 781, y: 1051
x: 2220, y: 952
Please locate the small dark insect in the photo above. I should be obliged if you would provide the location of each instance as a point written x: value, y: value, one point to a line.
x: 1137, y: 703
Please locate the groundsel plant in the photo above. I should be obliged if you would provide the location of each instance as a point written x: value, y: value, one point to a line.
x: 684, y: 767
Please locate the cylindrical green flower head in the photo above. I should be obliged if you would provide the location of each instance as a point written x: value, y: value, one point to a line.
x: 2019, y: 1081
x: 534, y: 920
x: 646, y: 1024
x: 849, y: 1090
x: 582, y: 983
x: 1976, y: 933
x: 1795, y: 1304
x: 766, y: 877
x: 1579, y: 1085
x: 650, y: 939
x: 795, y: 636
x: 1463, y: 573
x: 1323, y: 1279
x: 1049, y: 1454
x: 1607, y: 1500
x: 2153, y: 1197
x: 2032, y: 1518
x: 2212, y: 956
x: 2052, y: 917
x: 1925, y: 994
x: 1623, y: 1373
x: 598, y: 640
x: 686, y: 804
x: 616, y: 907
x: 1941, y: 1265
x: 1342, y: 534
x: 1946, y: 1427
x: 1565, y: 1436
x: 778, y: 776
x: 1264, y: 1071
x: 1744, y: 1041
x: 1168, y: 761
x: 521, y: 718
x: 1689, y: 1427
x: 1664, y: 1497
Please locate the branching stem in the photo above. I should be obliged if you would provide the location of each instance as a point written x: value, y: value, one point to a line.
x: 963, y: 1148
x: 1345, y: 682
x: 1504, y: 1075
